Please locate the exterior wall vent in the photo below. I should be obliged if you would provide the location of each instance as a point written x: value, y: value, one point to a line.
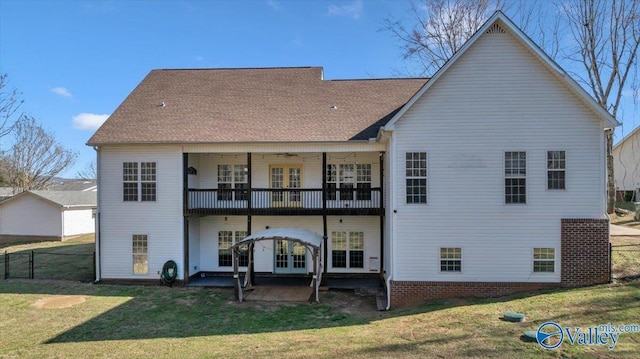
x: 495, y: 29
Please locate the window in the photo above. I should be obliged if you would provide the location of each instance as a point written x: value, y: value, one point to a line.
x: 148, y: 181
x: 130, y: 181
x: 363, y: 181
x: 141, y: 187
x: 332, y: 182
x: 225, y: 254
x: 347, y: 249
x: 416, y: 177
x: 232, y: 179
x: 515, y: 181
x: 556, y: 167
x: 348, y: 177
x: 450, y: 259
x: 544, y: 260
x: 240, y: 182
x: 140, y: 257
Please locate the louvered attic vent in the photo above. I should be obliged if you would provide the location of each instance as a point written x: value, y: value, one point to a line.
x: 495, y: 29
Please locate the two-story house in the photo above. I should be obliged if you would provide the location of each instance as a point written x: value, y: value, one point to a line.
x: 485, y: 180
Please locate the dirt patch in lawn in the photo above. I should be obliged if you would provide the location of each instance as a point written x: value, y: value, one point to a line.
x: 59, y: 301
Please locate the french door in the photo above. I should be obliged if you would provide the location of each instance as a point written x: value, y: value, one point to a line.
x: 286, y: 177
x: 290, y: 257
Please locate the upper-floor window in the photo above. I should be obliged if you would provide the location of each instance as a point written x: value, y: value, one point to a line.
x: 515, y: 177
x: 232, y: 182
x: 556, y: 170
x: 139, y: 181
x: 348, y: 177
x: 416, y: 177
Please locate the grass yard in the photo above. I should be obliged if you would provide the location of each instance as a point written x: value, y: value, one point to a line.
x: 46, y: 319
x: 68, y: 260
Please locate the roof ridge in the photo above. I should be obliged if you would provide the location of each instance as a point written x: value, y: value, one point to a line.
x: 239, y: 68
x: 383, y: 78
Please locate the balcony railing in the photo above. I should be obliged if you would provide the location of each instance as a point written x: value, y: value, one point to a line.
x: 283, y: 201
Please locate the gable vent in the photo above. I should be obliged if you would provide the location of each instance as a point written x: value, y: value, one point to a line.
x: 495, y: 29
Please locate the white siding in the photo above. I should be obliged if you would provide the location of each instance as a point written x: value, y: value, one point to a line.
x: 495, y: 98
x: 210, y: 226
x: 626, y: 163
x: 311, y: 163
x: 30, y: 216
x: 78, y: 221
x: 161, y: 221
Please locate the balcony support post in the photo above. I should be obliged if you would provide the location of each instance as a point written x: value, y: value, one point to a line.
x: 324, y: 210
x: 185, y: 225
x: 381, y: 199
x: 251, y: 279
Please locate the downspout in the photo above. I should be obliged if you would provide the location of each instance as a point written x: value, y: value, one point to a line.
x: 603, y: 152
x: 97, y: 219
x: 390, y: 208
x: 605, y: 186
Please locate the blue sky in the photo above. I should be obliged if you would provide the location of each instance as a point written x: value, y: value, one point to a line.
x: 75, y: 61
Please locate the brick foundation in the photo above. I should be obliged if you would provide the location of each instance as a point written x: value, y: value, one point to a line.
x: 585, y: 252
x: 405, y: 293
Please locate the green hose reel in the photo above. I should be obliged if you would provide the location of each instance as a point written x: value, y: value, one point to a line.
x: 169, y: 273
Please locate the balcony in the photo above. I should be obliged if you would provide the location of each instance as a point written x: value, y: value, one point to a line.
x: 298, y: 201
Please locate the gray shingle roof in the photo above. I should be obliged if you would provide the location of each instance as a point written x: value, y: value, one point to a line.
x: 253, y: 105
x: 70, y: 198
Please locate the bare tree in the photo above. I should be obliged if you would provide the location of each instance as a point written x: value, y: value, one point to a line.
x: 35, y: 157
x: 440, y: 29
x: 10, y: 102
x: 606, y: 36
x: 89, y: 172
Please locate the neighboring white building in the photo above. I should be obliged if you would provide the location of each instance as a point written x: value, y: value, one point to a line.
x: 626, y: 164
x: 51, y: 214
x: 485, y: 180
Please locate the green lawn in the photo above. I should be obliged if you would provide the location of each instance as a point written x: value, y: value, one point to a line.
x: 68, y: 260
x: 88, y: 320
x: 161, y: 322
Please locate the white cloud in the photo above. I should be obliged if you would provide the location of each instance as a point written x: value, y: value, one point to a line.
x: 88, y: 121
x: 273, y: 4
x: 61, y: 91
x: 353, y: 10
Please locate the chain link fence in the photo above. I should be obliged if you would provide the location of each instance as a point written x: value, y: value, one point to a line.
x: 38, y: 264
x: 625, y: 261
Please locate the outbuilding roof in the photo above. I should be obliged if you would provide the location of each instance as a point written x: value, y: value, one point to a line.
x: 253, y: 105
x: 64, y: 199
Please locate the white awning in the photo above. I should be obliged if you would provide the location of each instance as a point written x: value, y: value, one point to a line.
x: 296, y: 234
